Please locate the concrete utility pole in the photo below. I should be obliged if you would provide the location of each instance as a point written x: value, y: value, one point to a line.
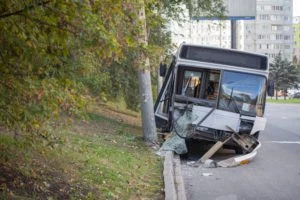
x: 146, y: 100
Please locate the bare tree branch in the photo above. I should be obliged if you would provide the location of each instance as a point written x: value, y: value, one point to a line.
x: 47, y: 24
x: 24, y: 9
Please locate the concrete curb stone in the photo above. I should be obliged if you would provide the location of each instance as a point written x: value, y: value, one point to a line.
x: 174, y: 186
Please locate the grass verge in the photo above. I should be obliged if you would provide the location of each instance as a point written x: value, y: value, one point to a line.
x: 284, y: 101
x: 101, y: 158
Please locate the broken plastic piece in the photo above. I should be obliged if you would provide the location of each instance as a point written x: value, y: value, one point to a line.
x: 239, y: 160
x: 207, y: 174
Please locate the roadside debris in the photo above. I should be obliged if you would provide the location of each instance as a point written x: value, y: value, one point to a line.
x: 176, y: 142
x: 207, y: 174
x: 210, y: 164
x: 213, y: 150
x: 239, y: 160
x: 191, y: 163
x: 248, y: 144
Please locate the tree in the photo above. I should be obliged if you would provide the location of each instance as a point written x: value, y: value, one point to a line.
x: 298, y: 76
x: 53, y: 51
x: 45, y: 46
x: 283, y: 73
x: 296, y: 62
x: 148, y: 120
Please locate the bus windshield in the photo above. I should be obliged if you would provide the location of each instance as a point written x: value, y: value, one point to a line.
x: 242, y: 93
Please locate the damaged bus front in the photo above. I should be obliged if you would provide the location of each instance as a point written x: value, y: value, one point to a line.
x: 223, y: 90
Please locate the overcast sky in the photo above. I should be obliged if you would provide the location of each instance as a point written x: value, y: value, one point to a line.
x: 296, y: 6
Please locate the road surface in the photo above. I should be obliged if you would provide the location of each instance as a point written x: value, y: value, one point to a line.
x: 273, y: 175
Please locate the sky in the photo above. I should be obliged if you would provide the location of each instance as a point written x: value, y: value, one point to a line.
x: 296, y: 6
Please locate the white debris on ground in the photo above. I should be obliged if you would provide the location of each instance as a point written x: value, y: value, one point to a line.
x: 207, y: 174
x: 210, y: 164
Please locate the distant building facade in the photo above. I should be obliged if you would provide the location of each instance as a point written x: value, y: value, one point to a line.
x: 272, y: 31
x: 204, y: 32
x: 296, y: 27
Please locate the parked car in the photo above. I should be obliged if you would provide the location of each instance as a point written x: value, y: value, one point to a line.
x: 297, y: 95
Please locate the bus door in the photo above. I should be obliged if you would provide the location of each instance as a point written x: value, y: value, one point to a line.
x: 162, y: 107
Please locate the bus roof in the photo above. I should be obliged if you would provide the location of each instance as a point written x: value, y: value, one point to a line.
x: 223, y: 56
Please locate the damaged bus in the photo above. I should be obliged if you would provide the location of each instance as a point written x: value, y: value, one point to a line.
x: 224, y: 89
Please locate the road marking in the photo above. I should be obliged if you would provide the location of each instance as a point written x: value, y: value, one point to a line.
x: 284, y: 142
x: 284, y: 117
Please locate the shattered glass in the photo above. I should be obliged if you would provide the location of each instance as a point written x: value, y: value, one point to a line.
x: 180, y: 131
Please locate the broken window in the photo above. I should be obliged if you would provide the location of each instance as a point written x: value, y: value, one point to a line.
x: 191, y: 84
x: 202, y: 85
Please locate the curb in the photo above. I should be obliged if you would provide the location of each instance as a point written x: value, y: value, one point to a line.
x: 174, y: 186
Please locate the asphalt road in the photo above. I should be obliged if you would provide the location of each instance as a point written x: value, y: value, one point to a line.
x: 273, y: 175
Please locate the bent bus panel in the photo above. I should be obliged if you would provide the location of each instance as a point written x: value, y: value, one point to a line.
x: 225, y: 89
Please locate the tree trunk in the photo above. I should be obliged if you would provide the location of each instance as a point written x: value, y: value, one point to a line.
x: 146, y: 100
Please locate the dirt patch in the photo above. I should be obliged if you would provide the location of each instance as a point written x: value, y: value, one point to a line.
x: 113, y: 113
x: 13, y: 180
x: 42, y: 184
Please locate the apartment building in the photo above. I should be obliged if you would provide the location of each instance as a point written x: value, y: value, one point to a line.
x: 204, y: 32
x: 272, y: 31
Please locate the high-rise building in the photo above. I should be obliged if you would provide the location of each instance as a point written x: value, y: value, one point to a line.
x: 204, y: 32
x: 272, y: 31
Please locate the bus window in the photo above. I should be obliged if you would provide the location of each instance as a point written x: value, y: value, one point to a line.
x: 212, y: 86
x: 191, y: 84
x: 242, y: 93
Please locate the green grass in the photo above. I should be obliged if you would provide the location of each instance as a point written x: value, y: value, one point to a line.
x: 287, y: 101
x: 97, y: 159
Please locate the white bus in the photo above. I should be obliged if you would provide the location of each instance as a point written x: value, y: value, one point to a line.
x: 226, y: 89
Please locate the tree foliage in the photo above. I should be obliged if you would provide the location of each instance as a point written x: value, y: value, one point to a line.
x: 55, y: 54
x: 45, y: 47
x: 296, y: 62
x: 174, y: 8
x: 283, y: 73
